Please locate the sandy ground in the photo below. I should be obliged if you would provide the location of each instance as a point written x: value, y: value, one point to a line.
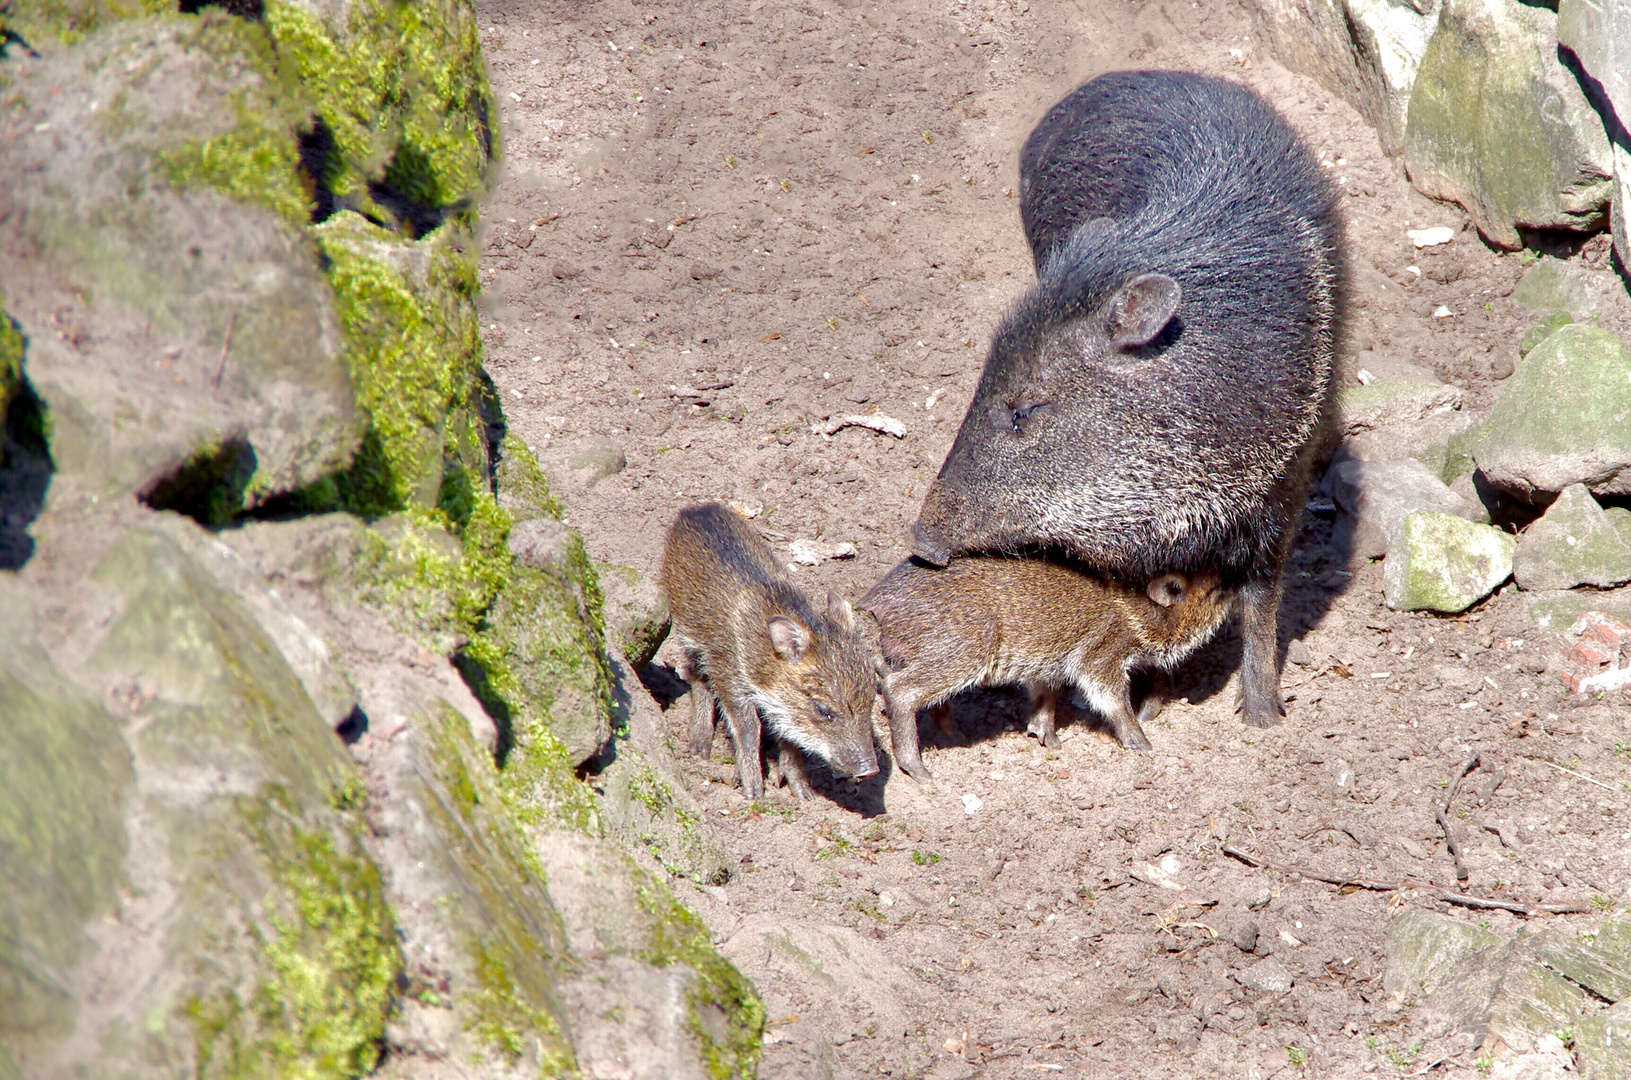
x: 723, y: 224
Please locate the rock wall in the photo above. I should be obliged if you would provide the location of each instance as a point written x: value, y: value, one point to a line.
x: 1506, y: 108
x: 299, y: 670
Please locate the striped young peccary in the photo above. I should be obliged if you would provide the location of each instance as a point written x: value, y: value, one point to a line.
x: 1043, y: 625
x: 1155, y: 403
x: 752, y: 639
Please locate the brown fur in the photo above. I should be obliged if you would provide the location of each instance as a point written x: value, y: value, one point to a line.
x: 988, y: 621
x: 754, y: 641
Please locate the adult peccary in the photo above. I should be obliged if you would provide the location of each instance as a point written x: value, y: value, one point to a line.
x: 751, y: 638
x: 1155, y: 402
x: 1037, y: 623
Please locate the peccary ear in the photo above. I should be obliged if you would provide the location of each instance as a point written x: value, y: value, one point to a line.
x: 789, y: 637
x: 840, y: 612
x: 1168, y: 589
x: 1141, y: 309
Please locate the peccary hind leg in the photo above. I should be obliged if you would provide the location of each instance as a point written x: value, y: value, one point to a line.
x: 901, y: 703
x: 699, y: 737
x: 1259, y: 655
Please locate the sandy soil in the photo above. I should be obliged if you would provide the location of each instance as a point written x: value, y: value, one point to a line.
x: 723, y: 224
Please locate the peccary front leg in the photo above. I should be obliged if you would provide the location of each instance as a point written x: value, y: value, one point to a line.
x: 1044, y: 709
x: 1107, y: 691
x: 901, y: 701
x: 743, y: 721
x: 790, y: 762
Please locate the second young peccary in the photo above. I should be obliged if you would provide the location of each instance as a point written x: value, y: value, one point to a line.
x: 1044, y: 625
x: 753, y: 640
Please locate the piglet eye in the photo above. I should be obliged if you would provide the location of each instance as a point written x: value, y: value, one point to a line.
x: 825, y: 712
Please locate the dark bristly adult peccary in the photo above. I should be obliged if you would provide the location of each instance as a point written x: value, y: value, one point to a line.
x: 751, y: 638
x: 1040, y: 624
x: 1156, y: 401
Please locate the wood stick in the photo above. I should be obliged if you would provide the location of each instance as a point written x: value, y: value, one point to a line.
x: 1442, y: 814
x: 226, y: 344
x: 1427, y: 889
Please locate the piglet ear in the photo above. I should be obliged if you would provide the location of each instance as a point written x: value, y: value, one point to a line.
x: 789, y: 637
x: 1141, y: 309
x: 1168, y: 589
x: 840, y: 612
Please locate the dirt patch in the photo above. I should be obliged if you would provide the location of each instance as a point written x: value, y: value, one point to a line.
x: 724, y: 226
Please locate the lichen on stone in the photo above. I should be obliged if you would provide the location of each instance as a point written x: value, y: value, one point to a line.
x: 678, y: 936
x: 332, y: 958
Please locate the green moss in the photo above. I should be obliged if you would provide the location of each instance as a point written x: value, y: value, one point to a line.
x: 69, y: 21
x: 414, y: 352
x: 679, y: 937
x: 522, y: 487
x: 254, y: 164
x: 333, y: 962
x: 505, y: 1021
x: 403, y: 90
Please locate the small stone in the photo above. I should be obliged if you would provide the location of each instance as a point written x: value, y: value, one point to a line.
x: 1298, y: 653
x: 543, y: 544
x: 636, y: 612
x: 1376, y: 495
x: 1245, y: 936
x: 1542, y: 330
x: 1556, y: 286
x: 1561, y: 418
x: 1261, y: 900
x: 704, y: 272
x: 1439, y: 562
x: 565, y: 271
x: 1573, y: 543
x: 582, y: 463
x: 1267, y: 976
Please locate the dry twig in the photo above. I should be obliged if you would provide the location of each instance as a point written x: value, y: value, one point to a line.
x: 226, y: 344
x: 1427, y: 889
x: 1441, y: 812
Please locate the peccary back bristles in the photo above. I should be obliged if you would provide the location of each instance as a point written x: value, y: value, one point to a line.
x: 1173, y: 453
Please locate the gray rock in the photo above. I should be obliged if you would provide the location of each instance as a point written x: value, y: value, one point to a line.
x: 1366, y: 51
x: 636, y: 612
x: 643, y: 801
x: 1542, y: 330
x: 1573, y: 543
x: 543, y: 544
x: 1498, y: 124
x: 1516, y: 991
x: 1599, y: 35
x: 1553, y: 285
x: 1376, y: 495
x: 582, y: 463
x: 1562, y: 418
x: 1441, y: 442
x: 1267, y: 976
x: 167, y: 323
x: 1245, y: 936
x: 1439, y: 562
x: 1385, y: 404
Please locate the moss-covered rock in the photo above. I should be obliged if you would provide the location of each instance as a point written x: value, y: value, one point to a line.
x: 636, y: 612
x: 1573, y: 543
x: 65, y: 777
x: 414, y: 351
x: 1542, y: 330
x: 401, y: 92
x: 1499, y: 125
x: 168, y: 321
x: 1440, y: 562
x: 1562, y: 417
x: 1382, y: 404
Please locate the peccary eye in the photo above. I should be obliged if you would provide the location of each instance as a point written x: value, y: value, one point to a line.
x: 1022, y: 412
x: 825, y: 712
